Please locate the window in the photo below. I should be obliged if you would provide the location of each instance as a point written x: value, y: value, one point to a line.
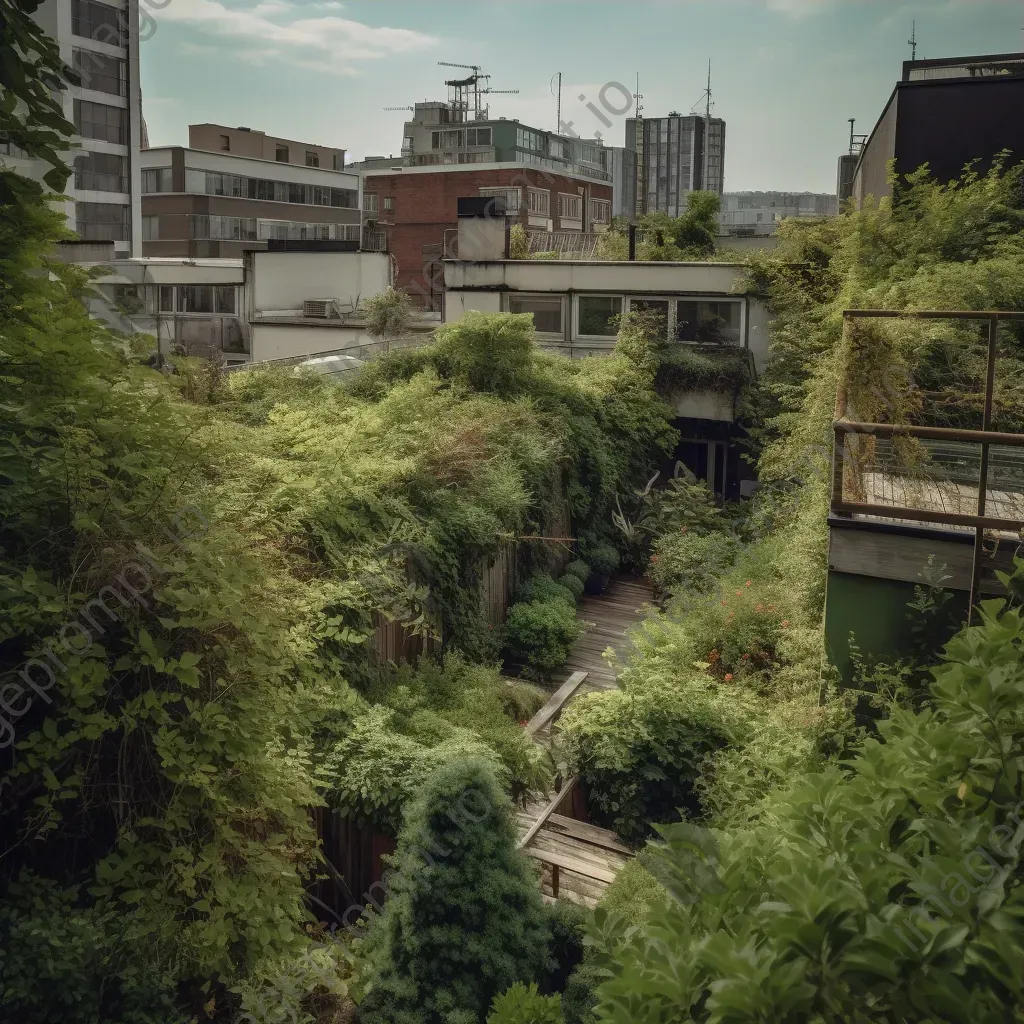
x: 225, y: 143
x: 446, y: 140
x: 708, y: 322
x: 570, y: 207
x: 478, y: 136
x: 100, y: 121
x: 103, y: 222
x: 370, y: 202
x: 389, y: 203
x: 512, y: 197
x: 196, y: 298
x: 105, y: 24
x: 546, y: 310
x: 156, y: 180
x: 101, y: 172
x: 596, y: 313
x: 540, y: 202
x: 101, y: 72
x: 525, y: 139
x: 224, y: 298
x: 338, y: 161
x: 600, y: 211
x: 212, y: 183
x: 218, y: 227
x: 312, y: 159
x: 281, y: 154
x: 150, y: 228
x: 166, y: 298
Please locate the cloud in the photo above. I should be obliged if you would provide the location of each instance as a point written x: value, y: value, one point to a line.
x: 798, y: 8
x: 312, y: 36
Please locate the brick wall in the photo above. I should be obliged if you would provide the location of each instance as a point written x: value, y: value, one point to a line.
x: 425, y: 204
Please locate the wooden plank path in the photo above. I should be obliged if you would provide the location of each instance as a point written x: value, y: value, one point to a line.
x: 612, y: 613
x: 579, y: 861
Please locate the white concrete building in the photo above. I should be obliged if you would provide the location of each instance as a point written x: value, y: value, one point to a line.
x: 101, y: 41
x: 193, y: 307
x: 305, y: 303
x: 760, y: 213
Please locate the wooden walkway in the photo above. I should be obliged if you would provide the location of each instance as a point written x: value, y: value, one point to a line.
x: 579, y: 861
x: 612, y: 614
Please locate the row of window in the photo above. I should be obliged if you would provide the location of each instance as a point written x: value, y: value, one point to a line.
x: 687, y: 320
x: 454, y: 139
x: 92, y: 20
x: 101, y: 72
x: 101, y: 121
x: 447, y: 159
x: 281, y: 155
x: 212, y: 183
x: 103, y: 222
x: 255, y: 229
x: 538, y: 200
x: 101, y: 172
x: 370, y: 205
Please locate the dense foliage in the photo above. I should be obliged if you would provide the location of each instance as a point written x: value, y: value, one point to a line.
x: 465, y: 920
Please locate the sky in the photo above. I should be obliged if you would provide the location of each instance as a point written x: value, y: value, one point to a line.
x: 786, y: 74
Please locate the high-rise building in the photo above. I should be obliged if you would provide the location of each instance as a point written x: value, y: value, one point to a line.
x: 101, y: 41
x: 622, y: 164
x: 676, y: 155
x: 760, y: 213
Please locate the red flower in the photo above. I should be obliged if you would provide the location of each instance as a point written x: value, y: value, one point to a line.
x: 739, y: 593
x: 654, y: 559
x: 750, y: 583
x: 785, y: 623
x: 728, y: 677
x: 745, y: 656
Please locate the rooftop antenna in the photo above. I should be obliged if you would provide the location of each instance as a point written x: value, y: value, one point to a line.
x: 400, y: 108
x: 853, y: 121
x: 558, y: 123
x: 707, y: 131
x: 912, y: 41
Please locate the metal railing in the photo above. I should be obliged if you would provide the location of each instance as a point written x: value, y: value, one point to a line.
x: 942, y: 475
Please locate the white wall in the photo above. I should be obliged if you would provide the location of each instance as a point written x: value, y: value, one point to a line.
x: 279, y: 341
x: 283, y: 280
x: 457, y: 303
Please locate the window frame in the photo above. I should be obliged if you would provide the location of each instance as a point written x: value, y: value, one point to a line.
x: 389, y: 204
x: 559, y: 297
x: 278, y: 151
x: 605, y: 204
x: 741, y: 328
x: 577, y: 304
x: 562, y: 215
x: 503, y: 192
x: 150, y: 227
x: 530, y: 194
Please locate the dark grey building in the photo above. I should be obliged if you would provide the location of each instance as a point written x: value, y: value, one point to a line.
x: 946, y: 113
x: 672, y: 161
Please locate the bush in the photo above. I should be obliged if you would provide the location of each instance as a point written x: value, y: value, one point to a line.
x: 578, y: 568
x: 640, y: 755
x: 489, y: 353
x: 686, y: 562
x: 541, y: 587
x: 568, y: 928
x: 522, y: 1005
x: 573, y: 584
x: 465, y: 920
x: 857, y: 896
x: 580, y: 995
x: 603, y: 558
x: 540, y: 634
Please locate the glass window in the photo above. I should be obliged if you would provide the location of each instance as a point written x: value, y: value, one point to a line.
x: 570, y: 207
x: 312, y: 159
x: 540, y: 202
x: 281, y: 154
x: 156, y: 180
x: 166, y: 298
x: 389, y: 203
x: 478, y: 136
x: 546, y: 310
x: 197, y: 298
x: 101, y: 172
x: 103, y: 222
x: 708, y: 322
x: 101, y: 22
x: 225, y: 143
x: 225, y: 298
x: 150, y: 228
x: 101, y: 121
x: 512, y: 197
x: 101, y: 72
x: 597, y: 313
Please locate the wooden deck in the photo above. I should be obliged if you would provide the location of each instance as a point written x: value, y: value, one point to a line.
x: 579, y: 861
x: 613, y: 613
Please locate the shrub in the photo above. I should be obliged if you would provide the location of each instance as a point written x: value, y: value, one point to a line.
x: 465, y: 920
x: 634, y: 891
x: 522, y: 1005
x: 857, y: 894
x: 689, y: 562
x: 573, y: 584
x: 489, y: 353
x: 578, y: 568
x: 580, y: 995
x: 603, y: 558
x: 568, y: 928
x: 541, y: 587
x: 640, y: 754
x: 686, y: 503
x: 540, y: 634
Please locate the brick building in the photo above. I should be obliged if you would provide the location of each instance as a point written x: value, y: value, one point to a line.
x: 418, y: 205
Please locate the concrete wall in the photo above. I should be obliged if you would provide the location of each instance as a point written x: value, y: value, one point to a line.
x: 871, y: 177
x: 283, y: 280
x: 257, y: 144
x: 279, y: 341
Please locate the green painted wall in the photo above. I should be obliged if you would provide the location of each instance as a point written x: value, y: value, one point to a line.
x: 875, y: 612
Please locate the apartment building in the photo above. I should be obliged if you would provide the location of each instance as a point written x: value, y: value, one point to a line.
x: 622, y: 164
x: 945, y: 113
x: 676, y: 155
x: 100, y: 40
x: 235, y: 189
x: 760, y: 213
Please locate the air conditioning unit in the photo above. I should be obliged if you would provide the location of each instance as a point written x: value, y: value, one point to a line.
x: 320, y: 308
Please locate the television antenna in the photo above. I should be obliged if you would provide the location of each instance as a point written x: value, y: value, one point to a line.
x: 400, y: 108
x: 912, y: 41
x: 464, y: 93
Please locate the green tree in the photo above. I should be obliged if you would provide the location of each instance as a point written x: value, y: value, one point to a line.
x: 465, y: 920
x: 389, y: 316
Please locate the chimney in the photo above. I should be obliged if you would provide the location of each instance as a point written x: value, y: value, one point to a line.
x: 483, y: 229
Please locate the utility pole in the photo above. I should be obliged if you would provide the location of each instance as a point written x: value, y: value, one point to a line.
x: 641, y: 181
x: 912, y: 41
x: 558, y: 123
